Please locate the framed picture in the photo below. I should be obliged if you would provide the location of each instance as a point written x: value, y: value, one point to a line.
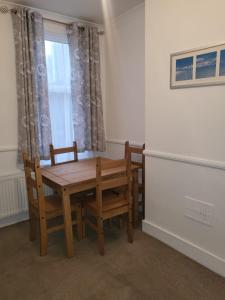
x: 198, y: 67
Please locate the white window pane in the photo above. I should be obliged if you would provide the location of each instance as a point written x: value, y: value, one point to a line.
x: 60, y: 104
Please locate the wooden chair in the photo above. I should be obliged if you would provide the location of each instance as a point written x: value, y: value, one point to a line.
x: 42, y: 208
x: 106, y: 204
x: 54, y: 152
x: 138, y: 159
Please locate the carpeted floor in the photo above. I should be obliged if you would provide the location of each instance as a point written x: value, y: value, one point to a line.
x: 146, y: 269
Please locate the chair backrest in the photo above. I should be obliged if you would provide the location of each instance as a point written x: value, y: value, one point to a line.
x: 54, y: 152
x: 34, y: 184
x: 138, y: 157
x: 111, y: 175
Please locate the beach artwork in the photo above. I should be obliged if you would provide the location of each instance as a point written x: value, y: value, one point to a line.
x: 184, y: 69
x: 205, y: 66
x: 222, y: 63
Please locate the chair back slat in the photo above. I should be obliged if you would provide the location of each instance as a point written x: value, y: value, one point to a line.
x: 63, y: 150
x: 113, y: 183
x: 138, y: 164
x: 54, y: 152
x: 137, y: 150
x: 113, y: 164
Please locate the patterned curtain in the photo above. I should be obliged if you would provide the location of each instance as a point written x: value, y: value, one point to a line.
x: 34, y: 127
x: 86, y: 87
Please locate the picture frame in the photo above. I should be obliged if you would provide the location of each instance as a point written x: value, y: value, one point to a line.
x: 198, y: 67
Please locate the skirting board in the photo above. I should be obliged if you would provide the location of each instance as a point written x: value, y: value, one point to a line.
x: 198, y: 254
x: 13, y: 219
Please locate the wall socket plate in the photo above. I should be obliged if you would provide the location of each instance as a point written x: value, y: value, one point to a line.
x: 199, y: 211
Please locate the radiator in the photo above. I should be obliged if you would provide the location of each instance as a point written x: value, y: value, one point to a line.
x: 13, y: 199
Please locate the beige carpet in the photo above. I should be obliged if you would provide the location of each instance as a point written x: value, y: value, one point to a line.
x: 146, y: 269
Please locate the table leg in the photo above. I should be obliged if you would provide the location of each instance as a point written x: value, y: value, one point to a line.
x: 68, y: 223
x: 135, y: 199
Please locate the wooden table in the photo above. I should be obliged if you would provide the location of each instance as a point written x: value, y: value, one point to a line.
x: 75, y: 177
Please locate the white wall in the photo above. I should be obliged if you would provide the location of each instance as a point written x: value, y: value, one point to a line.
x: 125, y: 79
x: 184, y: 131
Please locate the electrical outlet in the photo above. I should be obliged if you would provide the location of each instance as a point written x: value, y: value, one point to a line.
x: 199, y: 211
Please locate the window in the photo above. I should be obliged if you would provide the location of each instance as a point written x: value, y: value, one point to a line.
x: 59, y: 91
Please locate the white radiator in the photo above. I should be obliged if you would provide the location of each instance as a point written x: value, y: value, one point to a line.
x: 13, y: 199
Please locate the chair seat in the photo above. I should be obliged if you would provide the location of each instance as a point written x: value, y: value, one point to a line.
x: 82, y: 195
x: 53, y: 205
x: 110, y: 201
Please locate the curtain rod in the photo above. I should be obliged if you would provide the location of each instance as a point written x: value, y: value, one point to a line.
x: 5, y: 10
x: 100, y: 32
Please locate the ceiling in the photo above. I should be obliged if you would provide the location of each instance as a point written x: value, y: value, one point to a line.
x: 90, y: 10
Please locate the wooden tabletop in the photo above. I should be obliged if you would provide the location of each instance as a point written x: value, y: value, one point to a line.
x: 83, y: 171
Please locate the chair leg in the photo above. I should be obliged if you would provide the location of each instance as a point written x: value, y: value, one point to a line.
x: 130, y: 227
x: 101, y: 237
x: 79, y: 224
x: 33, y: 228
x: 110, y: 222
x: 135, y: 199
x: 43, y: 236
x: 143, y: 204
x: 83, y: 212
x: 120, y: 219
